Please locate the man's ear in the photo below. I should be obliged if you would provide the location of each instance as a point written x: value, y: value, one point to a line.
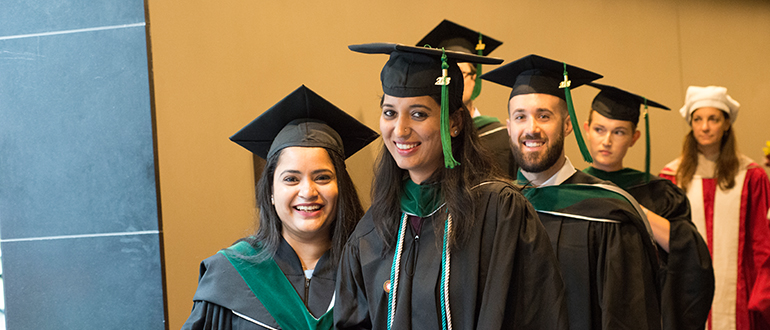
x: 567, y: 125
x: 637, y: 134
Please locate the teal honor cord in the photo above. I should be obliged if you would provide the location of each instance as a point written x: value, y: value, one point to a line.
x: 395, y: 270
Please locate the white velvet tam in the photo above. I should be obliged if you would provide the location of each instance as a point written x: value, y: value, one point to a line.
x: 709, y: 96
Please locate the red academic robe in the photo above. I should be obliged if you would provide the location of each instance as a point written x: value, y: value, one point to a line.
x: 740, y: 251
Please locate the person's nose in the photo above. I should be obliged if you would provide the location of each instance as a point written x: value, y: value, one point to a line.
x: 533, y: 128
x: 607, y: 140
x: 402, y: 128
x: 308, y: 190
x: 705, y: 126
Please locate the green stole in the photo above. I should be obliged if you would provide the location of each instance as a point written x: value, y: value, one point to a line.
x: 559, y: 197
x: 481, y: 121
x: 421, y: 200
x: 274, y: 291
x: 625, y: 178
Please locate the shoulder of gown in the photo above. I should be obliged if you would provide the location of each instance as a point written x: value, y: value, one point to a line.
x: 221, y: 295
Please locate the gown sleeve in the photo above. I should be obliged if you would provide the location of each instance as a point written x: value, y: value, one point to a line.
x: 351, y: 309
x: 758, y: 202
x: 208, y: 316
x: 536, y: 295
x: 688, y: 288
x: 627, y: 289
x: 219, y: 285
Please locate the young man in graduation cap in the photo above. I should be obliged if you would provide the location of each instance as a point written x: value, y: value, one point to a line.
x: 689, y: 281
x: 600, y: 236
x: 492, y: 133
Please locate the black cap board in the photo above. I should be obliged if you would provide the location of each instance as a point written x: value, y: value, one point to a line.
x: 453, y: 36
x: 418, y: 71
x: 412, y: 71
x: 304, y: 119
x: 615, y: 103
x: 534, y: 74
x: 387, y: 48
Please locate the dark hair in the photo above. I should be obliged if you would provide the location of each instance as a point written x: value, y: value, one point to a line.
x: 475, y: 167
x: 727, y: 163
x: 349, y: 210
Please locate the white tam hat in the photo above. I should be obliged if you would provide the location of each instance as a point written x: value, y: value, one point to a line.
x: 710, y: 96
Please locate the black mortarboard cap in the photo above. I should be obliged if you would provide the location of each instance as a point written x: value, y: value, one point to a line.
x: 615, y: 103
x: 453, y: 36
x: 418, y: 71
x: 304, y: 119
x: 412, y: 71
x: 533, y: 74
x: 536, y: 74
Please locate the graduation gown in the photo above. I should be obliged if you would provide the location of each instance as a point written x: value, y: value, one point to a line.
x: 503, y: 277
x: 605, y: 252
x: 493, y: 136
x: 224, y: 301
x: 688, y: 285
x: 734, y: 223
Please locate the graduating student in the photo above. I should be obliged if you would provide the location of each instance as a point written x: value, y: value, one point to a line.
x: 689, y: 279
x: 445, y: 244
x: 729, y: 196
x: 605, y: 250
x: 492, y: 133
x: 283, y: 277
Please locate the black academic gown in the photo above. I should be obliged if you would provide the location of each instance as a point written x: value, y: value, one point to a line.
x: 494, y: 137
x: 504, y: 277
x: 688, y: 286
x: 610, y: 269
x: 222, y: 293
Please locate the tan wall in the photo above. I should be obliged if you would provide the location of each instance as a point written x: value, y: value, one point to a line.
x: 219, y: 64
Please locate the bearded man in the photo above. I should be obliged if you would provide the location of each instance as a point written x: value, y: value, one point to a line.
x: 600, y: 235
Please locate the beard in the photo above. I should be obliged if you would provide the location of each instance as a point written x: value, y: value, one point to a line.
x: 539, y: 162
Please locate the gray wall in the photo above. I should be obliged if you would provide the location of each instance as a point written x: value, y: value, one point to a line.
x: 79, y: 226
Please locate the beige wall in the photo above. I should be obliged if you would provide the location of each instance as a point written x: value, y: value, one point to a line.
x: 219, y: 64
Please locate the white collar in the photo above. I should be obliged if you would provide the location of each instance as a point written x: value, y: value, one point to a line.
x: 566, y: 171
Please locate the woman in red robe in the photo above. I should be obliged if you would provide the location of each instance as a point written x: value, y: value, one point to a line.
x: 729, y: 196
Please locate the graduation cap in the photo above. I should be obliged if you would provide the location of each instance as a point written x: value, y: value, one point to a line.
x: 453, y: 36
x: 304, y: 119
x: 536, y: 74
x: 615, y: 103
x: 417, y: 71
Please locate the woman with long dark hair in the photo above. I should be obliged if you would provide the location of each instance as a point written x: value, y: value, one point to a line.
x: 446, y: 243
x: 729, y: 197
x: 283, y: 276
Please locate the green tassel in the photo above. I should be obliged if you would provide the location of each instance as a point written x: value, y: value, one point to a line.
x: 477, y: 88
x: 446, y: 139
x: 647, y: 142
x: 573, y: 118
